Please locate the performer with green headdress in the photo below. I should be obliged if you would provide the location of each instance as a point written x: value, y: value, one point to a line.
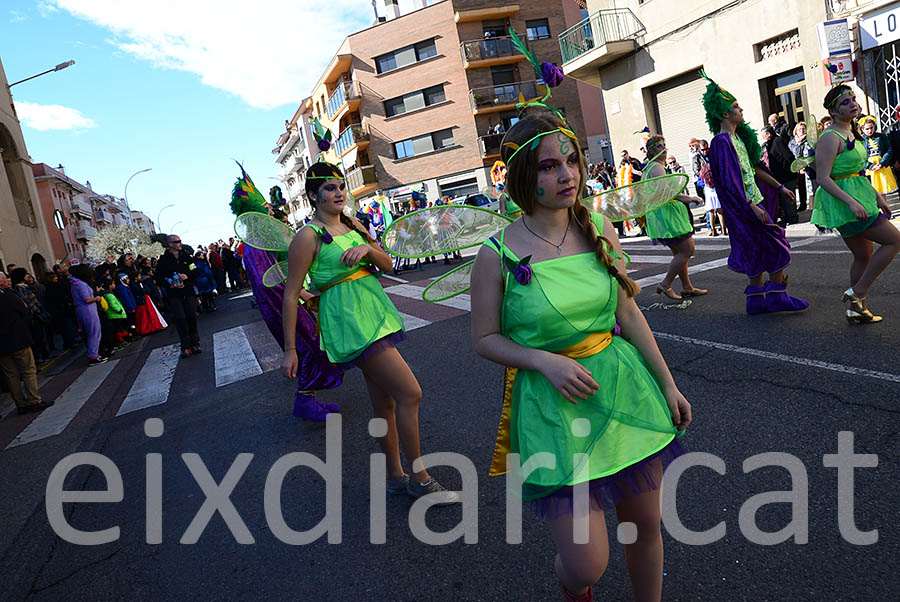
x: 315, y: 372
x: 749, y: 197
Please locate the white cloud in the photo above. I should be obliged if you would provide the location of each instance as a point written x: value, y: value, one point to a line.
x: 267, y: 52
x: 16, y: 17
x: 52, y: 117
x: 45, y: 9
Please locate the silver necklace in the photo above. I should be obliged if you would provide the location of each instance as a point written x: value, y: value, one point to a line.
x: 552, y: 244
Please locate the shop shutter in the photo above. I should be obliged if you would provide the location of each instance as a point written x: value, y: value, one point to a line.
x: 678, y: 104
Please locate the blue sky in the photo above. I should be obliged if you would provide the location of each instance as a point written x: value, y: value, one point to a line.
x: 180, y: 86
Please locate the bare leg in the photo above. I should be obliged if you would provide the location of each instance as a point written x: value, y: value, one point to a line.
x: 392, y: 375
x: 579, y: 566
x: 862, y: 249
x: 645, y: 556
x: 682, y: 252
x: 383, y: 406
x: 721, y: 217
x: 886, y: 235
x: 686, y: 247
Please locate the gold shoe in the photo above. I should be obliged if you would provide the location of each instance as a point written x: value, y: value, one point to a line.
x: 693, y: 292
x: 668, y: 292
x: 858, y: 312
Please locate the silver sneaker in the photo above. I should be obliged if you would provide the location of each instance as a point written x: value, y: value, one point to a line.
x: 398, y: 486
x: 434, y: 490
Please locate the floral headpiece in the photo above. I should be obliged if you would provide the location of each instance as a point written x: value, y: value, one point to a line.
x: 322, y: 136
x: 549, y: 73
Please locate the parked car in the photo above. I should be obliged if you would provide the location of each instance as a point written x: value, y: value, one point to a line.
x: 483, y: 202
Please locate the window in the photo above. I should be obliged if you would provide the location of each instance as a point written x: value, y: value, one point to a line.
x: 538, y: 29
x: 494, y: 28
x: 423, y: 144
x: 504, y: 74
x: 405, y: 56
x: 415, y: 100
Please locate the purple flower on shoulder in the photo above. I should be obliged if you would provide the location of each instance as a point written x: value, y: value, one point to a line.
x: 522, y: 273
x: 324, y: 144
x: 326, y: 237
x: 551, y: 74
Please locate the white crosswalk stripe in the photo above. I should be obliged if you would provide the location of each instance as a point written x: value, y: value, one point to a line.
x: 413, y: 322
x: 55, y: 419
x: 410, y: 291
x: 234, y: 357
x: 151, y: 387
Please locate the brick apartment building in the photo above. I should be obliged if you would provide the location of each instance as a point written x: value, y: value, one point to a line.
x: 411, y: 100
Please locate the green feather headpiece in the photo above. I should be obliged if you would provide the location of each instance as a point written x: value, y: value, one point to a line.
x: 245, y: 196
x: 717, y: 102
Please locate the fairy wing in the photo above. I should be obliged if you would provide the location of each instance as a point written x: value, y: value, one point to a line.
x: 263, y: 232
x: 637, y: 199
x: 454, y: 282
x: 801, y: 163
x: 276, y: 274
x: 441, y: 229
x: 812, y: 130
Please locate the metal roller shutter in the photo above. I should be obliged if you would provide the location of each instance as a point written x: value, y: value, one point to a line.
x: 680, y: 115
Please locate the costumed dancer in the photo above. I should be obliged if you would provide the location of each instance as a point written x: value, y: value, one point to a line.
x: 546, y: 294
x: 671, y: 225
x: 749, y: 197
x: 359, y: 324
x: 508, y: 207
x: 846, y: 200
x: 880, y: 156
x: 314, y: 371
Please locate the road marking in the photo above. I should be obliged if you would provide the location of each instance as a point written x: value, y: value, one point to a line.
x: 55, y: 419
x: 151, y: 387
x: 663, y: 248
x: 462, y: 301
x: 809, y: 252
x: 234, y: 357
x: 242, y: 295
x: 781, y: 357
x: 394, y: 278
x: 722, y: 261
x: 651, y: 258
x: 412, y: 322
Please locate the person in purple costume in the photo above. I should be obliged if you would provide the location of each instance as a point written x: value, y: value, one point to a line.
x: 315, y: 372
x: 749, y: 197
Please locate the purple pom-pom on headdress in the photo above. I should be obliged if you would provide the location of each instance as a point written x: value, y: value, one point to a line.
x: 551, y: 74
x: 324, y: 144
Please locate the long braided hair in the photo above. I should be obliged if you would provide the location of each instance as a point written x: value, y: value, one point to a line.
x: 521, y: 184
x: 317, y: 176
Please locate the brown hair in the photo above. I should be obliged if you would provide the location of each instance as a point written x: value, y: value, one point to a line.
x: 832, y: 98
x: 316, y: 176
x: 521, y: 184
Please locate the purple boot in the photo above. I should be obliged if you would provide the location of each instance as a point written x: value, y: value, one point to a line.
x: 778, y: 301
x: 309, y: 408
x: 756, y: 300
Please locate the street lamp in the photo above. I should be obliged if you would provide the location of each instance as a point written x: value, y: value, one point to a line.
x: 172, y: 229
x: 127, y: 206
x: 158, y: 215
x: 59, y: 67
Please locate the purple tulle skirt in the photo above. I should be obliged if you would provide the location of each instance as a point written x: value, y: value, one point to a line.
x: 385, y: 342
x: 627, y: 483
x: 672, y: 241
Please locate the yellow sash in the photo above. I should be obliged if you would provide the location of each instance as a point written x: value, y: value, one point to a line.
x: 592, y: 344
x: 360, y: 273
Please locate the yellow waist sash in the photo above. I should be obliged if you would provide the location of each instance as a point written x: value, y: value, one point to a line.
x: 592, y: 344
x: 360, y: 273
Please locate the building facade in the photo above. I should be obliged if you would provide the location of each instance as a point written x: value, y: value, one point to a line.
x: 24, y: 236
x: 419, y: 101
x: 646, y: 56
x: 295, y: 152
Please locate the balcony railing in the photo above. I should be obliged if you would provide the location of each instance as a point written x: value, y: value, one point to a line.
x: 352, y: 134
x: 841, y: 8
x: 344, y: 92
x: 486, y: 49
x: 102, y: 216
x: 490, y: 145
x: 361, y: 177
x: 604, y: 26
x: 489, y: 97
x: 85, y: 232
x: 82, y: 208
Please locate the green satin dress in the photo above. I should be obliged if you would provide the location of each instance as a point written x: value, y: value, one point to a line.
x: 353, y: 314
x: 567, y: 299
x: 672, y: 220
x: 831, y: 212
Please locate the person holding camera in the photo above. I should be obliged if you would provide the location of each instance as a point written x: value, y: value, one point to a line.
x: 175, y: 272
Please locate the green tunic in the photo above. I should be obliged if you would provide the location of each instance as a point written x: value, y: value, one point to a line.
x: 353, y: 314
x: 567, y: 299
x: 669, y: 221
x: 831, y: 212
x: 747, y: 172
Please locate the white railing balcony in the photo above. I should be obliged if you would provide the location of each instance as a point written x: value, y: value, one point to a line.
x: 602, y: 38
x: 345, y: 92
x: 85, y: 232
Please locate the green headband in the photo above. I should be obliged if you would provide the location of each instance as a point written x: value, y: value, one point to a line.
x: 838, y: 97
x: 535, y: 141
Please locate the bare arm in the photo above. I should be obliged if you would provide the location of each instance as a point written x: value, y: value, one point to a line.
x: 373, y: 251
x: 300, y: 256
x: 636, y: 331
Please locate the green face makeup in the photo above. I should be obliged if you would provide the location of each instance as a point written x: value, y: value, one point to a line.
x: 540, y: 192
x: 565, y: 144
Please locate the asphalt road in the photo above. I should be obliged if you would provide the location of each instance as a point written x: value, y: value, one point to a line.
x: 786, y: 384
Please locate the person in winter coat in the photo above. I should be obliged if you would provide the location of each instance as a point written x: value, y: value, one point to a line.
x: 122, y: 290
x: 205, y: 282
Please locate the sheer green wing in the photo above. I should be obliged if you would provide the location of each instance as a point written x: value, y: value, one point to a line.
x: 637, y: 199
x: 455, y: 282
x: 812, y: 131
x: 441, y: 229
x: 801, y: 163
x: 263, y: 231
x: 276, y: 274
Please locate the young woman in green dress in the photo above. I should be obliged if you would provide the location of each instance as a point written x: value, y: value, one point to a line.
x: 671, y: 225
x: 359, y: 324
x: 546, y: 294
x: 846, y: 201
